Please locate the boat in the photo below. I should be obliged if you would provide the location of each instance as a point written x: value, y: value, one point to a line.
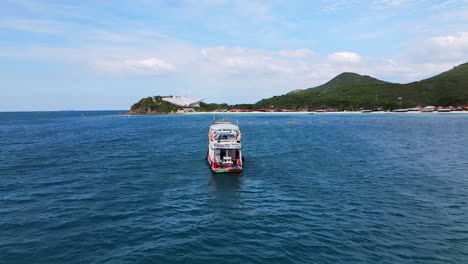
x: 224, y: 148
x: 366, y: 111
x: 401, y: 110
x: 443, y: 109
x: 415, y: 109
x: 428, y: 109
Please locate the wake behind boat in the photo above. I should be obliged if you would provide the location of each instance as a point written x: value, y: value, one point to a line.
x: 224, y: 148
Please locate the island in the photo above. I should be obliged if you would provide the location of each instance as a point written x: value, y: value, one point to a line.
x: 348, y: 91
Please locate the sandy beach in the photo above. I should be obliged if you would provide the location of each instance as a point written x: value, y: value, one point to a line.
x: 324, y: 113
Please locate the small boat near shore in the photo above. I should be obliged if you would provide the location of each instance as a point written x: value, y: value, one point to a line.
x: 401, y: 110
x: 224, y: 148
x: 428, y: 109
x: 442, y: 109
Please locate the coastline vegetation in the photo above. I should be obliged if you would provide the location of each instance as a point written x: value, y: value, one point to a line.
x: 347, y: 91
x: 351, y: 91
x: 152, y: 105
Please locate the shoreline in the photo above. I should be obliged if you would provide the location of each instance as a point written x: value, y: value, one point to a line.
x: 320, y: 113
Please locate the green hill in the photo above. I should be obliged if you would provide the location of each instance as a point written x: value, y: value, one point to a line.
x: 152, y: 105
x: 345, y: 79
x: 351, y: 91
x: 347, y: 91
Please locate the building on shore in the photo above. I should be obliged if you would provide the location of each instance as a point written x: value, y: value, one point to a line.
x: 183, y: 101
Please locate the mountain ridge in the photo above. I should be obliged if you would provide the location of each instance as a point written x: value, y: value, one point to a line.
x: 347, y: 91
x: 352, y: 91
x: 346, y: 78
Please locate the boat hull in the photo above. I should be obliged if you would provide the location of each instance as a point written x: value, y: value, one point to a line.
x: 234, y: 169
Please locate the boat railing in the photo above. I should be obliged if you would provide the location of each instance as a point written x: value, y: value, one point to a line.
x: 227, y: 145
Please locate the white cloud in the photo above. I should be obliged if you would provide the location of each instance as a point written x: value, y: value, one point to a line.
x: 442, y: 48
x: 270, y: 72
x: 252, y: 73
x: 277, y: 68
x: 345, y: 57
x: 235, y: 60
x: 457, y: 41
x: 129, y: 66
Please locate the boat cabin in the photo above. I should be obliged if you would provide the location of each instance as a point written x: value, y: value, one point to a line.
x: 224, y: 133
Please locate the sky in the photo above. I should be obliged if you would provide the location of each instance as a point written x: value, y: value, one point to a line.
x: 102, y: 55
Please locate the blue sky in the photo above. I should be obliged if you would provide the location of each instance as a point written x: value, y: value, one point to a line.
x: 87, y: 55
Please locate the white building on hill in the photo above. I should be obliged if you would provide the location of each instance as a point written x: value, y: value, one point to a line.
x: 183, y: 101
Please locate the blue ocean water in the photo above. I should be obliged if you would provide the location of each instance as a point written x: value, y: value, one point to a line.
x: 97, y: 187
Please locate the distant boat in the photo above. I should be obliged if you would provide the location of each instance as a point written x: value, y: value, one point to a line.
x: 366, y: 111
x: 429, y: 108
x: 442, y: 109
x: 224, y: 148
x: 414, y: 109
x: 400, y: 110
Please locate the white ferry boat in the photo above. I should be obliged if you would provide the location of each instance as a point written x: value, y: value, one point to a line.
x: 224, y: 148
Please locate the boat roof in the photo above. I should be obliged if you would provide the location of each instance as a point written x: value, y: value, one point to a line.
x: 224, y: 126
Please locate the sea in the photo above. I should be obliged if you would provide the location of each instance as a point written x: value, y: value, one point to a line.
x: 99, y: 187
